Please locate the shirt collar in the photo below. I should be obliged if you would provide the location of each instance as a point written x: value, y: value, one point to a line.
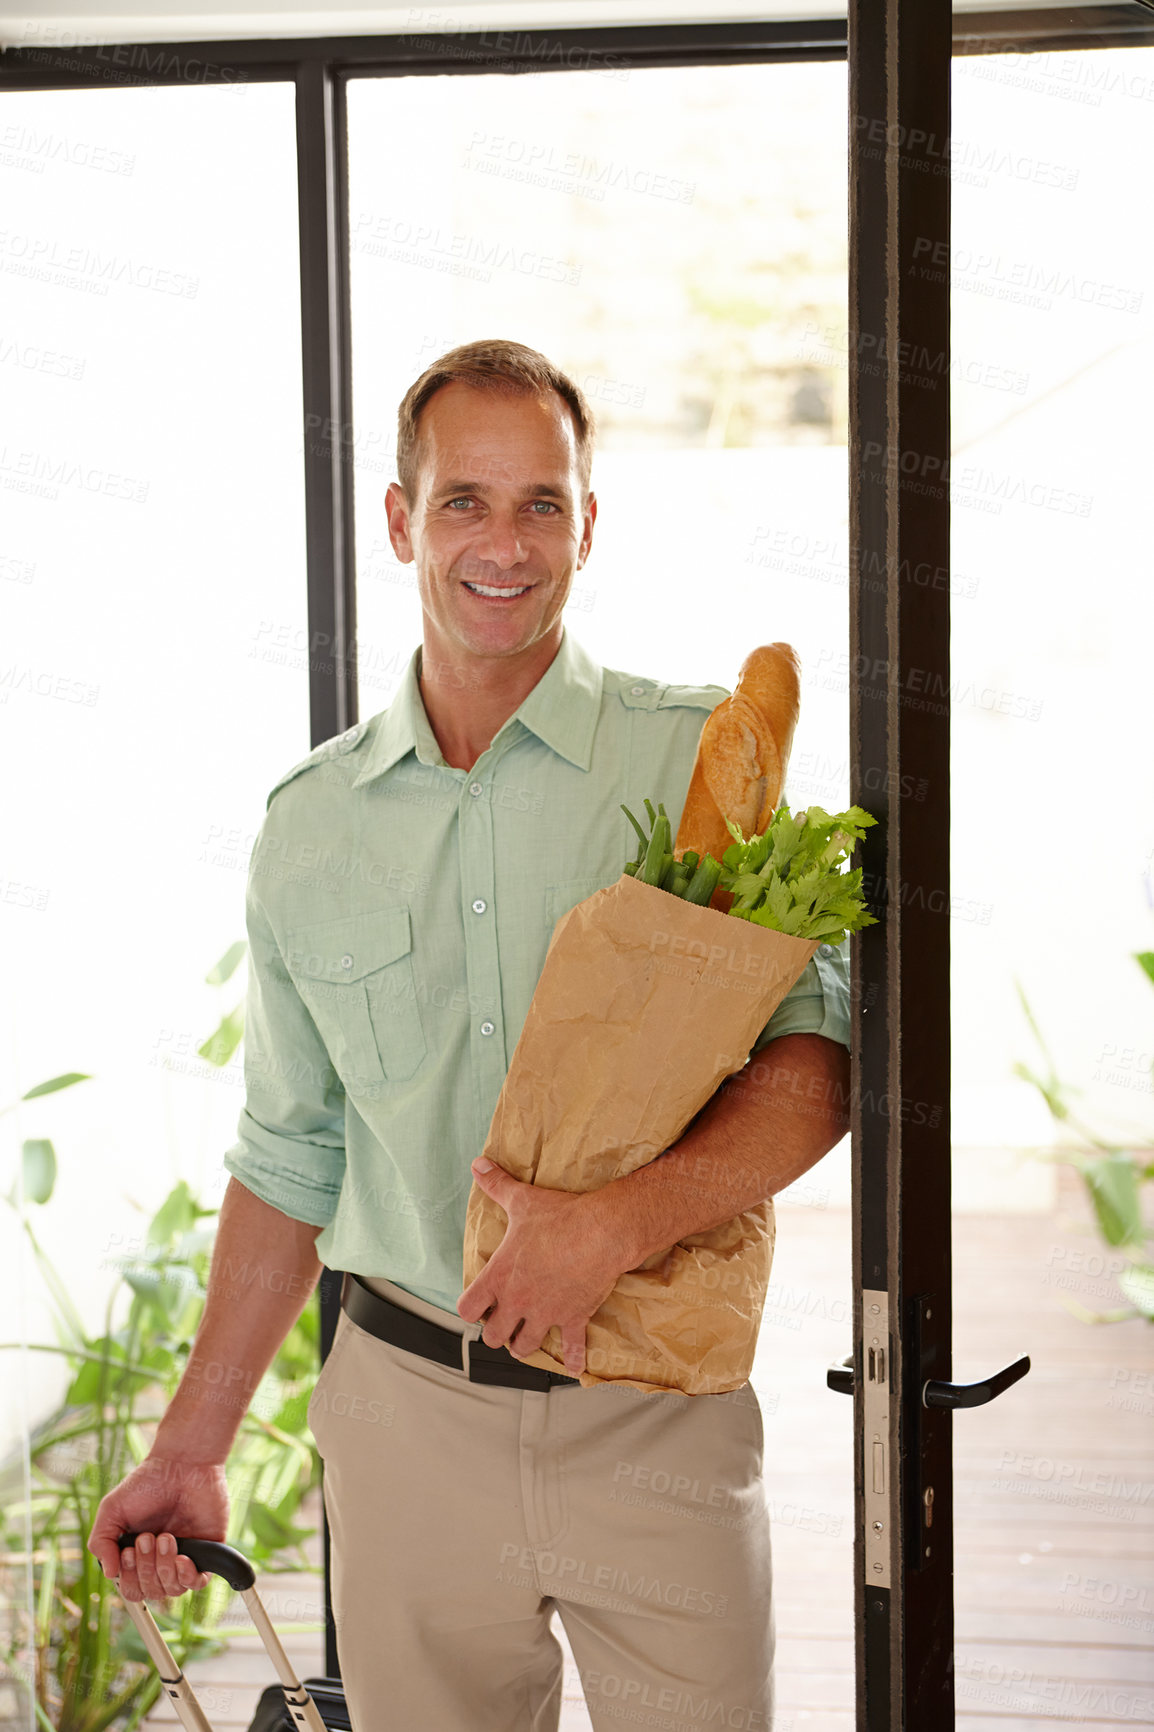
x: 562, y: 710
x: 564, y: 706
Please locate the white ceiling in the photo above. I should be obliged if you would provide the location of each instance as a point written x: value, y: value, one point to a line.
x: 70, y: 22
x: 187, y: 20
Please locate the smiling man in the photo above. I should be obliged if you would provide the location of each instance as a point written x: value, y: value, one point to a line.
x: 471, y: 1495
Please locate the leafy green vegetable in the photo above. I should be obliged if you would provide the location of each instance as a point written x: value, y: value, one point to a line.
x: 692, y: 878
x: 789, y: 878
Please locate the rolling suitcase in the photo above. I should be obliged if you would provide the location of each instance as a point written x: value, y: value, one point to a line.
x: 318, y: 1703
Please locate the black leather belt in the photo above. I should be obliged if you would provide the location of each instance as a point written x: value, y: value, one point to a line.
x: 389, y: 1322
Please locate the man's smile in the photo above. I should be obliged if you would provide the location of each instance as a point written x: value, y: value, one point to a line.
x: 502, y: 592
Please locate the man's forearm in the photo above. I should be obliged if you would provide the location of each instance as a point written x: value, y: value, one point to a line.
x: 762, y: 1130
x: 264, y: 1266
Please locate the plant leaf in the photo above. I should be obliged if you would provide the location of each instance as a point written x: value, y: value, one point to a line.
x: 271, y: 1530
x: 1113, y: 1185
x: 224, y: 1040
x: 57, y: 1082
x: 1048, y: 1090
x: 86, y: 1384
x: 168, y: 1288
x: 222, y: 970
x: 1145, y: 958
x: 1137, y: 1283
x: 39, y: 1158
x: 175, y: 1216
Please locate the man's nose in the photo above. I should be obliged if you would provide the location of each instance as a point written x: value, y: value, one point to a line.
x: 502, y: 543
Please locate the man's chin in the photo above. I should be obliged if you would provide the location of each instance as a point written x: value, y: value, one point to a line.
x: 507, y: 639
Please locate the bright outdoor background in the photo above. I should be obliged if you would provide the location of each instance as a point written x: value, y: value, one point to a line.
x: 677, y: 241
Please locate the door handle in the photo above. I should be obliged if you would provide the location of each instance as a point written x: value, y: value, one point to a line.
x: 938, y: 1394
x: 840, y: 1377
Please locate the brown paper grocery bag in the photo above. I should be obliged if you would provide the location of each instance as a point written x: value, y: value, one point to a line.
x: 645, y: 1004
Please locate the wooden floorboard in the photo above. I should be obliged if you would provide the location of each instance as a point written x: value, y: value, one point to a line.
x: 1054, y: 1492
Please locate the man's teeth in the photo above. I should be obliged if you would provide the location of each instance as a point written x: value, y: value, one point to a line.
x: 484, y: 589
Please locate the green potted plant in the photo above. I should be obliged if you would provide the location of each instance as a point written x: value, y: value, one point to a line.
x: 1114, y: 1175
x: 70, y: 1642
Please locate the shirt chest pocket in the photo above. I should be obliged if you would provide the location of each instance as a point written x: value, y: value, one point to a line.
x: 356, y: 976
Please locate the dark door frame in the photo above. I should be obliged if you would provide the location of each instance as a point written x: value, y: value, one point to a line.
x: 899, y: 53
x: 899, y: 332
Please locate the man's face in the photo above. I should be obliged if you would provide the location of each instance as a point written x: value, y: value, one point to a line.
x: 497, y: 526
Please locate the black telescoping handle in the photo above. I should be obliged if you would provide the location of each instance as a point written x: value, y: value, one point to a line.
x: 213, y: 1558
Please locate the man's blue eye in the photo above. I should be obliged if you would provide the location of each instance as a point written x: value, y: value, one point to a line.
x: 547, y: 503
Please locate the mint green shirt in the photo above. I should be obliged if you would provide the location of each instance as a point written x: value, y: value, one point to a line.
x: 398, y: 915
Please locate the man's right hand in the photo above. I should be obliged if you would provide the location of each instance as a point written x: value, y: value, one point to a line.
x: 164, y: 1498
x: 264, y: 1266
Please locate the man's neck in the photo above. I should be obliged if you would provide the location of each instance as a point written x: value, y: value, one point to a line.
x: 469, y: 699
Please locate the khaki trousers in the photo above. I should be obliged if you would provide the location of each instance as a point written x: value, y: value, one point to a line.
x: 463, y: 1514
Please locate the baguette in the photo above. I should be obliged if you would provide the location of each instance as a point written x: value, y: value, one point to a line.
x: 743, y: 753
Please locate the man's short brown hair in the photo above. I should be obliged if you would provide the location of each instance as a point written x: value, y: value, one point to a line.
x: 493, y: 364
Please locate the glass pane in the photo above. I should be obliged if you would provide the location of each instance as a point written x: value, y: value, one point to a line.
x: 1053, y: 867
x: 154, y: 679
x: 676, y: 241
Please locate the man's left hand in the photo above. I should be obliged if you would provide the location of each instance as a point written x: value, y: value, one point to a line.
x: 559, y: 1260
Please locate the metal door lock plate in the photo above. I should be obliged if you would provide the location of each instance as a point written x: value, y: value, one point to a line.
x: 876, y: 1359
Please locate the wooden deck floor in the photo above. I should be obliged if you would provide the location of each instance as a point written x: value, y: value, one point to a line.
x: 1054, y: 1492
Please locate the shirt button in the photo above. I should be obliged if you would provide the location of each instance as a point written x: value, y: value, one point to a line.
x: 346, y: 962
x: 637, y: 691
x: 826, y: 949
x: 480, y: 905
x: 476, y: 789
x: 487, y: 1028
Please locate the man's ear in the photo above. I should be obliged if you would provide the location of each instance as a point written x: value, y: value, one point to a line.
x: 587, y: 530
x: 397, y: 513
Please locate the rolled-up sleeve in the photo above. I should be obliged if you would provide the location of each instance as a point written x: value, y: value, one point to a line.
x: 817, y: 1002
x: 291, y: 1147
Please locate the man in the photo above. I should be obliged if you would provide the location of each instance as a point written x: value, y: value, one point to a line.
x: 402, y: 892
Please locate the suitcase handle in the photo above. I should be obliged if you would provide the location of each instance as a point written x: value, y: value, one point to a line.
x: 213, y: 1558
x: 221, y: 1560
